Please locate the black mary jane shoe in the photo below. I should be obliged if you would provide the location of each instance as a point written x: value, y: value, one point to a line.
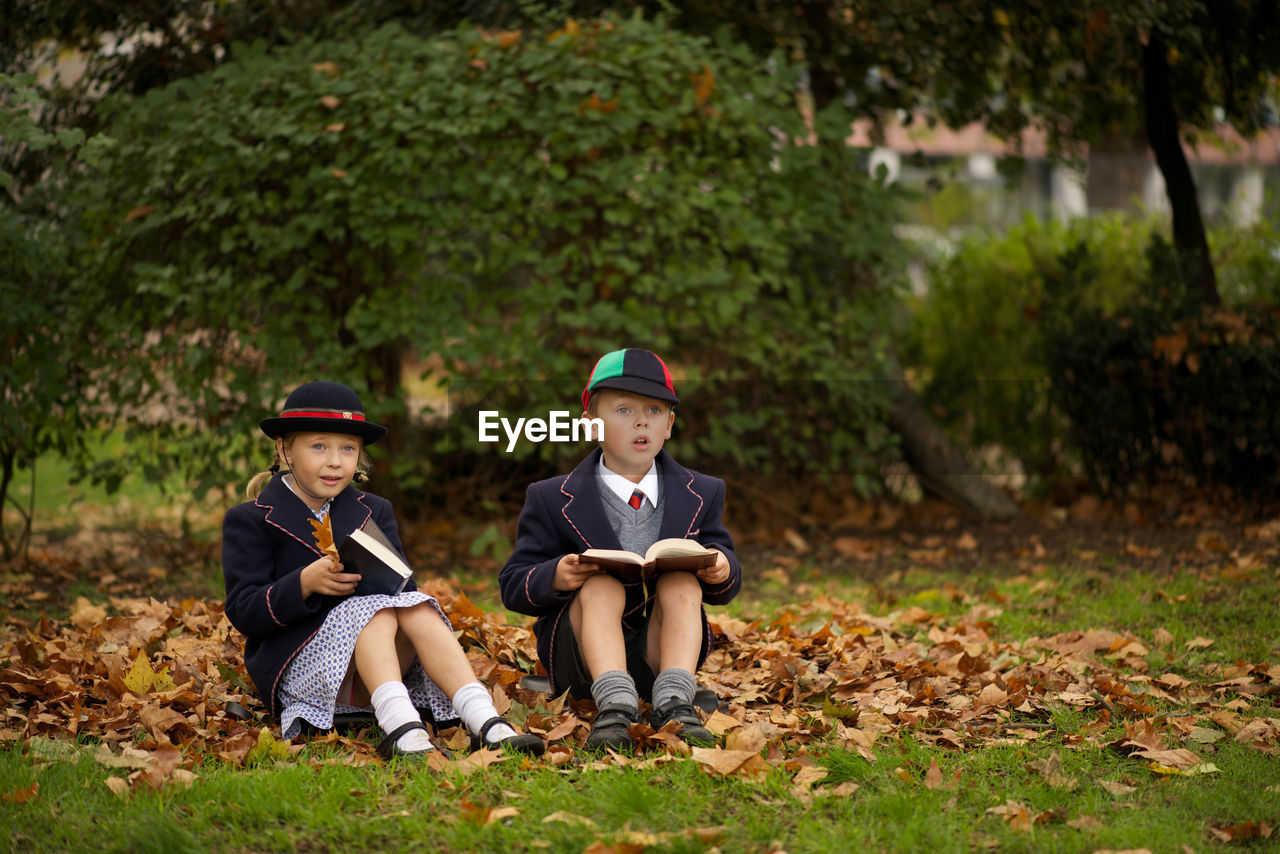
x: 526, y: 743
x: 388, y: 748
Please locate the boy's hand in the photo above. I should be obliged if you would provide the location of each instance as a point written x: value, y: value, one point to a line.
x: 572, y: 571
x: 326, y: 576
x: 718, y: 572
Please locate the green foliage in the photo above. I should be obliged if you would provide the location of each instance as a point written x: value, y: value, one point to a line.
x: 1011, y: 65
x: 977, y: 340
x: 170, y: 39
x: 955, y: 204
x: 1162, y: 388
x: 1002, y: 309
x: 43, y: 379
x: 510, y: 204
x: 1248, y: 261
x: 1079, y: 72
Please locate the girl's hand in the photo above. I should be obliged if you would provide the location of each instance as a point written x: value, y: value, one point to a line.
x: 572, y: 571
x: 325, y: 576
x: 718, y: 572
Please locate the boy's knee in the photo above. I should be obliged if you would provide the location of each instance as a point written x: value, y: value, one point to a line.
x: 602, y: 597
x: 676, y: 587
x: 601, y: 587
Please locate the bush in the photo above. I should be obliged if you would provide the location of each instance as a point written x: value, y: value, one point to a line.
x: 982, y: 335
x: 507, y: 206
x: 975, y: 336
x: 1248, y: 263
x: 1162, y: 389
x: 43, y: 376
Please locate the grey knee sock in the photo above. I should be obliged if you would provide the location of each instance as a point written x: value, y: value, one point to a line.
x: 673, y: 684
x: 615, y: 688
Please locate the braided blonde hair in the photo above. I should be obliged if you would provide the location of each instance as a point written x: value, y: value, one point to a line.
x: 259, y: 481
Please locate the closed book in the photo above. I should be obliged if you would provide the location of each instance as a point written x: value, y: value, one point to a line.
x: 367, y: 550
x: 670, y: 555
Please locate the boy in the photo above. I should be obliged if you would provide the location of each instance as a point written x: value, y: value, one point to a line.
x: 600, y: 636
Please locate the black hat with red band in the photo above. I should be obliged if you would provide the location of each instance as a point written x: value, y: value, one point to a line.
x: 323, y: 407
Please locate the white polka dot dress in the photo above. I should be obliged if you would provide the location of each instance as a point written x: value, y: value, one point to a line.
x: 309, y: 685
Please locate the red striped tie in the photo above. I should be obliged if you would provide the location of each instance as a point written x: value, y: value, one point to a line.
x: 636, y: 499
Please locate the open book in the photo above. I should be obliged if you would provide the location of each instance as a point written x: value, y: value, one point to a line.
x: 367, y: 550
x: 669, y: 555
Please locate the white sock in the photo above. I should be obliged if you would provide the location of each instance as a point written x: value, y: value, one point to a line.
x: 474, y: 705
x: 393, y: 708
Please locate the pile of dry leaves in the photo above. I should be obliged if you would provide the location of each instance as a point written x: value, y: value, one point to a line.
x: 154, y: 685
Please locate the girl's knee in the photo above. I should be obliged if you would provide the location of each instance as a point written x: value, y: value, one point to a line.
x: 379, y: 635
x: 423, y: 619
x: 382, y: 621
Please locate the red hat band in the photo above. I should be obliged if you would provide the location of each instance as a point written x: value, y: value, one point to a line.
x: 336, y: 414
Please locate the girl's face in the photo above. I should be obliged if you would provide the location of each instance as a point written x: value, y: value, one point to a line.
x: 322, y: 464
x: 635, y: 428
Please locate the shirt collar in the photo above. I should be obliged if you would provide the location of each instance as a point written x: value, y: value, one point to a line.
x: 323, y: 511
x: 623, y: 488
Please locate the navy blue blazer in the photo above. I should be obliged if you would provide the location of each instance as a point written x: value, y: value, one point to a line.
x: 266, y: 543
x: 565, y: 515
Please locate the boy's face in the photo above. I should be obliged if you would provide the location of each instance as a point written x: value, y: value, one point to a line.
x: 322, y: 463
x: 635, y: 428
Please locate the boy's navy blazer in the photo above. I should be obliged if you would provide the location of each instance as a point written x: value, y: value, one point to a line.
x: 266, y: 543
x: 565, y: 515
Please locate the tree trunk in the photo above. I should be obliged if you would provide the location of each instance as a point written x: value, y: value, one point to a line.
x: 823, y: 86
x: 941, y: 469
x: 1162, y: 134
x: 7, y: 551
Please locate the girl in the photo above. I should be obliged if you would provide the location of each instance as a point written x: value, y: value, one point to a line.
x: 312, y: 648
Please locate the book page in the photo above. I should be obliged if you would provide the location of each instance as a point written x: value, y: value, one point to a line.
x: 381, y: 552
x: 371, y: 528
x: 616, y: 555
x: 675, y: 546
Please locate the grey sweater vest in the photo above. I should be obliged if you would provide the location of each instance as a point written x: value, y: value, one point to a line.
x: 636, y: 529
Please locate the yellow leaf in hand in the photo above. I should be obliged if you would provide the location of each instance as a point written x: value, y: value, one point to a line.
x: 324, y: 536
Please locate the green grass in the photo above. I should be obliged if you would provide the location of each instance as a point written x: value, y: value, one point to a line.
x: 56, y: 488
x: 1237, y: 610
x: 300, y: 806
x: 313, y: 802
x: 61, y: 498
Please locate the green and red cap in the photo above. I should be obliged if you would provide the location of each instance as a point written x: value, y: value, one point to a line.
x: 323, y: 407
x: 637, y: 371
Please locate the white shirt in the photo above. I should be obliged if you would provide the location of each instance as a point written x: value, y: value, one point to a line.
x: 323, y: 511
x: 622, y: 487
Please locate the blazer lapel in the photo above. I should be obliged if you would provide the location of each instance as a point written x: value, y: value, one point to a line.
x: 583, y: 508
x: 680, y: 504
x: 347, y: 512
x: 287, y: 513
